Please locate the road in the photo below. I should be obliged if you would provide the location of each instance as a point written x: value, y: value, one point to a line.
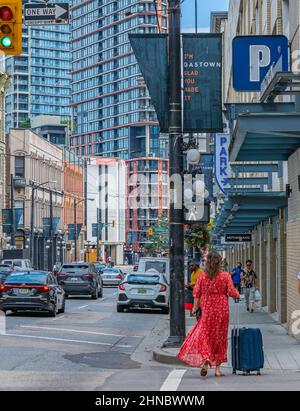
x: 92, y: 347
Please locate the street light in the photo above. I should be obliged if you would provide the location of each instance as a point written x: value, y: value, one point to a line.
x: 76, y: 203
x: 33, y: 188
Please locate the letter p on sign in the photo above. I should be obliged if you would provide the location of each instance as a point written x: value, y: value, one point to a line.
x: 252, y: 58
x: 260, y: 57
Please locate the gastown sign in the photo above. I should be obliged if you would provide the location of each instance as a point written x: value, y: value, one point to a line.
x: 254, y: 56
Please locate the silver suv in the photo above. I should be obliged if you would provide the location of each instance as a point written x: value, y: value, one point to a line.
x: 19, y: 264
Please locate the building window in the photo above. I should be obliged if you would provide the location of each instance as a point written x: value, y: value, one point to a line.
x: 20, y: 166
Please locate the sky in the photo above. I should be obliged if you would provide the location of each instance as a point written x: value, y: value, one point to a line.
x: 205, y: 7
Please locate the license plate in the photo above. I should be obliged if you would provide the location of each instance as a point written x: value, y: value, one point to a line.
x: 24, y: 291
x: 142, y: 291
x: 74, y: 279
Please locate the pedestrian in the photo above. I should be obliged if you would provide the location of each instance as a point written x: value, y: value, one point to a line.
x: 248, y: 279
x: 195, y: 272
x: 225, y: 265
x: 206, y: 343
x: 236, y: 274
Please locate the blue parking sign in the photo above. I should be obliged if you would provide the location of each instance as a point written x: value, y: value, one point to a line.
x: 253, y: 56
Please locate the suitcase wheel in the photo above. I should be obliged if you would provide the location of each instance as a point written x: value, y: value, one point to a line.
x: 234, y: 372
x: 258, y: 372
x: 246, y: 373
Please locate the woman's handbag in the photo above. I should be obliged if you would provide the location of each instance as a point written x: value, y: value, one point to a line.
x: 257, y: 295
x: 188, y: 299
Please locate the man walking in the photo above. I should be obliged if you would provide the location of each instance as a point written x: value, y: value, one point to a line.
x: 249, y: 285
x: 236, y: 274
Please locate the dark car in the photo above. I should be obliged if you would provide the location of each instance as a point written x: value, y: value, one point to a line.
x: 5, y: 271
x: 32, y: 291
x: 80, y: 279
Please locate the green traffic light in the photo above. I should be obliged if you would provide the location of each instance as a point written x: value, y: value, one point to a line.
x: 6, y: 42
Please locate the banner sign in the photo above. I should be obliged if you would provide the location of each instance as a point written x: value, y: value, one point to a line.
x: 222, y: 165
x: 46, y: 226
x: 71, y: 231
x: 6, y: 220
x: 151, y: 53
x: 19, y: 217
x: 202, y: 77
x: 206, y: 165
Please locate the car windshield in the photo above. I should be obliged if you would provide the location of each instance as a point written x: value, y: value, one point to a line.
x: 78, y: 268
x: 143, y: 279
x: 17, y: 263
x: 159, y: 266
x: 27, y: 278
x: 111, y: 270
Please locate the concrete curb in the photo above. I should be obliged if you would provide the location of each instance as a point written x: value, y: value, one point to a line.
x: 163, y: 357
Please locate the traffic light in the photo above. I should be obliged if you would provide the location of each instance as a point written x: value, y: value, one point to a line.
x: 11, y: 27
x: 150, y: 232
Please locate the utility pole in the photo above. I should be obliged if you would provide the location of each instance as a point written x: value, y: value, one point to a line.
x: 75, y: 229
x: 32, y: 225
x: 50, y: 259
x: 196, y: 16
x: 98, y: 233
x: 85, y: 203
x: 177, y: 311
x: 12, y: 206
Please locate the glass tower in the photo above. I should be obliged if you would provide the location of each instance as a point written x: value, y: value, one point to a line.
x: 111, y: 107
x: 41, y: 79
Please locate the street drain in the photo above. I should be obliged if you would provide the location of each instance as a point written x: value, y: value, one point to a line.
x: 107, y: 360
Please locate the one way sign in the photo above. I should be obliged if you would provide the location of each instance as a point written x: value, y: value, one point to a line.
x: 43, y: 14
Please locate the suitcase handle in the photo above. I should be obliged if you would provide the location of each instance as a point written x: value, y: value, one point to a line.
x: 236, y: 315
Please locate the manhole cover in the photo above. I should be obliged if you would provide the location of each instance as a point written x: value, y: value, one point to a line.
x: 107, y: 360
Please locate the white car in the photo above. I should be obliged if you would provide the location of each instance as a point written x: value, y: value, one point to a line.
x: 112, y: 276
x: 145, y: 290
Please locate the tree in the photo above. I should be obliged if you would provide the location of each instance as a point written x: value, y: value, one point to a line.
x: 25, y: 124
x: 159, y: 241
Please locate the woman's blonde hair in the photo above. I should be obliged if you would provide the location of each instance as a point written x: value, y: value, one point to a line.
x: 213, y: 264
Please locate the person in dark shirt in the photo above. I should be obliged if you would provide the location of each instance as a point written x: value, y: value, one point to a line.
x: 249, y: 285
x: 236, y: 274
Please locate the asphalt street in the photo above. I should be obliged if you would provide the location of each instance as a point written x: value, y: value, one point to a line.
x: 92, y: 347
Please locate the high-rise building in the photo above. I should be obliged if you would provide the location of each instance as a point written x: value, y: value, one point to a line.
x: 41, y: 80
x: 111, y: 106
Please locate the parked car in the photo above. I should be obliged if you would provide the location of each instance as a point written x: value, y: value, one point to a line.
x: 80, y: 279
x: 32, y: 291
x: 146, y: 290
x: 5, y: 271
x: 112, y: 276
x: 19, y: 264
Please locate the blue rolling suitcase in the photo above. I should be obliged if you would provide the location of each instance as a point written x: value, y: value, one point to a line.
x: 246, y: 348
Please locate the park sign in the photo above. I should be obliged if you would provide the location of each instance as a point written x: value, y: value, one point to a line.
x: 254, y: 56
x: 41, y: 14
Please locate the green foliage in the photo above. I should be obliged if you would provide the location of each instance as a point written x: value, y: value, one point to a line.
x: 159, y: 242
x: 199, y: 236
x: 25, y: 124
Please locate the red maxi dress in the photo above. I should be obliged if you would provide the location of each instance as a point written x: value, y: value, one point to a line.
x: 208, y: 338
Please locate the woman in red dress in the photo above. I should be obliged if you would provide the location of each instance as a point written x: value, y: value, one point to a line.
x: 206, y: 343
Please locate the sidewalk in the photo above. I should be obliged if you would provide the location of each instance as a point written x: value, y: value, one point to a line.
x: 282, y: 352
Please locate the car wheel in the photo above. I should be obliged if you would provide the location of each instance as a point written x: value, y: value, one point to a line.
x: 53, y: 312
x: 165, y: 310
x: 100, y: 293
x: 120, y: 308
x: 95, y: 295
x: 66, y: 295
